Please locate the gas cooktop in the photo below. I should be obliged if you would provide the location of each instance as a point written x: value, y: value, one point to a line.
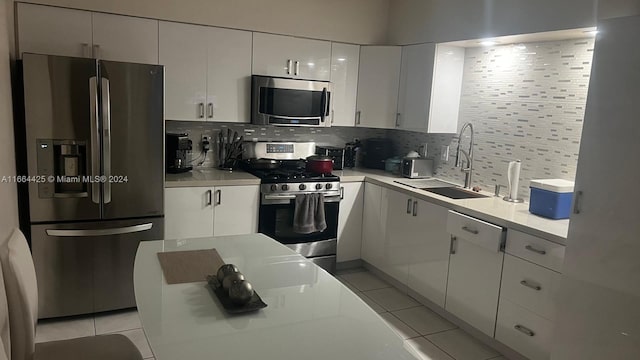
x: 291, y: 176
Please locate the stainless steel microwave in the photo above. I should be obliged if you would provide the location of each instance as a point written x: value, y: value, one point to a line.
x: 290, y: 102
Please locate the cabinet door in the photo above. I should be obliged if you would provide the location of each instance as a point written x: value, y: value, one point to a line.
x: 236, y: 210
x: 53, y: 31
x: 396, y: 244
x: 378, y: 81
x: 188, y: 212
x: 350, y: 222
x: 446, y: 89
x: 345, y: 59
x: 228, y: 75
x: 287, y: 56
x: 474, y: 284
x: 183, y: 52
x: 374, y: 224
x: 125, y: 38
x: 414, y: 96
x: 429, y: 245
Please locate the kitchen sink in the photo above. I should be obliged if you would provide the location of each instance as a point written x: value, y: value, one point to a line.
x: 454, y: 193
x: 425, y: 183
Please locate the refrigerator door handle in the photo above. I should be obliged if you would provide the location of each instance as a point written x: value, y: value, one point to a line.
x: 99, y: 232
x: 106, y: 138
x: 95, y: 138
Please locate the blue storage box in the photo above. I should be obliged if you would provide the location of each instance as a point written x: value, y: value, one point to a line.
x: 551, y: 198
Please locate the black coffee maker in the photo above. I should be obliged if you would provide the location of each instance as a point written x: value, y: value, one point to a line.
x: 178, y: 153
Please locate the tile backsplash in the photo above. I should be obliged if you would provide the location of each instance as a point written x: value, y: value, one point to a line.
x: 525, y: 102
x: 337, y: 136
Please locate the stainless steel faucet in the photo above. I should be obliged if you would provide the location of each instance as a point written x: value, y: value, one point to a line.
x: 468, y: 170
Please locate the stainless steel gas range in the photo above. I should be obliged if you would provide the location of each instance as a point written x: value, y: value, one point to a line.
x: 280, y: 166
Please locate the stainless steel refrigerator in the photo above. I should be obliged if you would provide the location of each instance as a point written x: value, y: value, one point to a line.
x: 93, y: 135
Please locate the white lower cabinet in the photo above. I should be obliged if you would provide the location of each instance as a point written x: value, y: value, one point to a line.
x: 192, y: 212
x: 475, y: 269
x: 374, y: 224
x: 350, y: 221
x: 236, y: 210
x: 188, y: 212
x: 524, y: 331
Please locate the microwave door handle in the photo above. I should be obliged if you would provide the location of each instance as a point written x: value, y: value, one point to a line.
x: 324, y: 104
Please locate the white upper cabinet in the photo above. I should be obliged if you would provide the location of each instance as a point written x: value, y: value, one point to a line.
x: 54, y: 31
x: 430, y: 88
x: 228, y: 75
x: 345, y: 59
x: 183, y: 53
x: 125, y: 38
x: 287, y: 56
x: 378, y: 81
x: 66, y: 32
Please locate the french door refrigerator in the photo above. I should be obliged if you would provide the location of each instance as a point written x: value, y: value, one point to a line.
x: 94, y: 135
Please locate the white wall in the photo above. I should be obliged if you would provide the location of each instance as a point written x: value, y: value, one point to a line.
x: 355, y: 21
x: 416, y: 21
x: 8, y: 192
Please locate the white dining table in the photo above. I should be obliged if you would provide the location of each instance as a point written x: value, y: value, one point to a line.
x: 310, y: 314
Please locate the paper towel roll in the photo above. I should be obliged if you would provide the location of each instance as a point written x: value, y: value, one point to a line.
x: 513, y: 177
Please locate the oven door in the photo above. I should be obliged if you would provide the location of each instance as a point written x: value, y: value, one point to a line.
x: 276, y: 221
x: 287, y: 102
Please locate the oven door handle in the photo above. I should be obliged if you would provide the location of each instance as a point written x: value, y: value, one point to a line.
x: 333, y: 198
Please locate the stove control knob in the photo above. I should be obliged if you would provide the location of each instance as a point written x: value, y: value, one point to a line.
x: 318, y: 186
x: 285, y: 187
x: 302, y: 186
x: 274, y: 187
x: 329, y: 186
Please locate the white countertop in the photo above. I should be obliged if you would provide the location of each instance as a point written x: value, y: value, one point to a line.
x: 210, y: 177
x: 491, y: 209
x: 310, y: 315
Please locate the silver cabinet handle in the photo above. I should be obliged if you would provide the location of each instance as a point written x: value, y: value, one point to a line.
x: 209, y: 197
x: 210, y: 110
x: 289, y: 66
x: 537, y: 251
x: 469, y: 230
x: 85, y: 50
x: 95, y: 138
x: 452, y: 247
x: 524, y: 330
x: 530, y: 286
x: 100, y: 232
x: 297, y: 68
x: 415, y: 208
x: 201, y: 110
x: 96, y: 51
x: 219, y: 196
x: 397, y: 119
x: 576, y: 202
x: 409, y: 206
x: 106, y: 138
x: 358, y: 114
x: 341, y: 192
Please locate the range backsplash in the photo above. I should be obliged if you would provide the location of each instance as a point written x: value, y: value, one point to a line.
x: 525, y: 102
x: 337, y: 136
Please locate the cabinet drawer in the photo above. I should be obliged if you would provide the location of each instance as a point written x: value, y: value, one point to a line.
x: 535, y: 249
x: 475, y: 231
x: 530, y: 286
x: 524, y: 331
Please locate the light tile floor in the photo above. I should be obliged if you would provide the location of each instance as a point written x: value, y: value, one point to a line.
x: 125, y: 322
x: 429, y: 334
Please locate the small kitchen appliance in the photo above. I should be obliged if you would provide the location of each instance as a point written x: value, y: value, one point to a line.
x: 551, y: 198
x: 415, y: 168
x: 178, y: 153
x: 375, y: 151
x: 334, y: 152
x: 351, y: 154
